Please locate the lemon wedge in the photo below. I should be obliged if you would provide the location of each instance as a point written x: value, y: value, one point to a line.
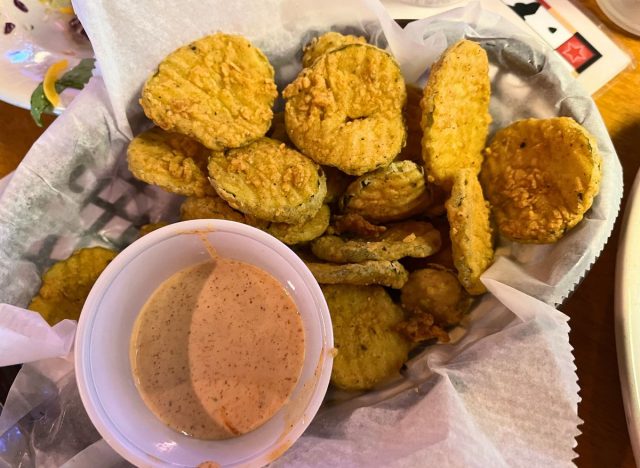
x: 49, y: 82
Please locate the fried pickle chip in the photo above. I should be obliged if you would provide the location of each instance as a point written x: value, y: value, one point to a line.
x: 436, y: 291
x: 292, y: 234
x: 346, y: 109
x: 370, y: 350
x: 212, y: 207
x: 541, y: 177
x: 66, y: 285
x: 337, y: 183
x: 420, y: 327
x: 147, y: 228
x: 218, y: 90
x: 412, y: 112
x: 270, y: 181
x: 171, y: 161
x: 395, y: 192
x: 355, y: 224
x: 409, y: 239
x: 326, y: 43
x: 386, y: 273
x: 455, y: 106
x: 471, y: 233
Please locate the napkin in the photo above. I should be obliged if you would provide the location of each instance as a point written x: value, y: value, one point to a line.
x: 503, y: 393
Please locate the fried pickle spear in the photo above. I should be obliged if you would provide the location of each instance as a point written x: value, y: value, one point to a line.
x: 456, y: 118
x: 392, y: 193
x: 218, y: 90
x: 471, y: 233
x: 293, y: 234
x: 270, y: 181
x: 346, y: 109
x: 384, y: 273
x: 370, y: 351
x: 541, y: 176
x: 171, y: 161
x: 66, y: 285
x: 408, y: 239
x: 438, y: 292
x: 326, y: 43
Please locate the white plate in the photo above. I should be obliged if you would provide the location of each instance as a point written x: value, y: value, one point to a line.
x: 41, y: 37
x: 627, y: 305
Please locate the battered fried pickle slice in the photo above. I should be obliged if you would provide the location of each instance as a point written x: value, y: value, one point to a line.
x: 218, y: 90
x: 436, y: 291
x: 413, y: 117
x: 293, y: 234
x: 408, y: 239
x: 455, y: 106
x: 471, y: 233
x: 66, y: 285
x: 345, y: 110
x: 541, y: 176
x: 420, y: 327
x: 147, y: 228
x: 395, y: 192
x: 326, y: 43
x: 370, y: 350
x: 353, y: 223
x: 212, y: 207
x: 171, y: 161
x: 385, y: 273
x: 270, y: 181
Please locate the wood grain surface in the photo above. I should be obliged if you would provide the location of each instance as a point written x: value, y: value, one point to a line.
x: 604, y: 441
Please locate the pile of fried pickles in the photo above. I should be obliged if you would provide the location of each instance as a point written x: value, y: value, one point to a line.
x: 388, y: 192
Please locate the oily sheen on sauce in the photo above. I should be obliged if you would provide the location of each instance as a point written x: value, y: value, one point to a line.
x: 217, y: 349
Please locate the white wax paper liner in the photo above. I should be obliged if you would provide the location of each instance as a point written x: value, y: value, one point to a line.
x: 465, y: 403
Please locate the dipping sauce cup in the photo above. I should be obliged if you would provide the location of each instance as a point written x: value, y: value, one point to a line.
x: 102, y: 359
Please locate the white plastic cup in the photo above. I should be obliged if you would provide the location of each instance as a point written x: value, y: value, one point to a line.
x: 103, y: 369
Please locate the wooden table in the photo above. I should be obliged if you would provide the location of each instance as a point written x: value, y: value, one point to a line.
x: 604, y: 441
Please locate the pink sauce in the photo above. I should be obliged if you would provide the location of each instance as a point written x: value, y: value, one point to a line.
x: 217, y: 349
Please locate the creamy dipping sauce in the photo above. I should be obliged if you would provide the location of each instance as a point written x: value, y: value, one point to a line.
x: 217, y: 349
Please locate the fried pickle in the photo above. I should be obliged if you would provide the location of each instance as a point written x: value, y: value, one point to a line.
x: 541, y: 176
x: 218, y: 90
x: 278, y: 131
x: 171, y: 161
x: 395, y: 192
x: 293, y: 234
x: 326, y: 43
x: 66, y: 285
x: 412, y: 112
x: 270, y: 181
x: 370, y: 350
x: 455, y: 119
x: 353, y: 223
x: 420, y: 327
x: 438, y: 292
x: 385, y: 273
x: 337, y: 183
x: 408, y: 239
x: 212, y: 207
x: 346, y: 109
x: 471, y: 233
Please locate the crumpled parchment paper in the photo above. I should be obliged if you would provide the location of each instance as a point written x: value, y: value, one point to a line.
x: 504, y: 393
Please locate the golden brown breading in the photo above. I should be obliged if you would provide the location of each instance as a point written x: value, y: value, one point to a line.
x: 392, y: 193
x: 326, y: 43
x: 408, y: 239
x: 337, y: 183
x: 353, y: 223
x: 212, y: 207
x: 456, y: 117
x: 218, y: 90
x: 171, y: 161
x: 413, y: 118
x: 278, y: 131
x: 66, y: 285
x: 293, y: 234
x: 438, y: 292
x: 346, y: 109
x: 421, y: 326
x: 270, y: 181
x: 541, y: 177
x: 385, y: 273
x: 471, y: 233
x: 370, y: 351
